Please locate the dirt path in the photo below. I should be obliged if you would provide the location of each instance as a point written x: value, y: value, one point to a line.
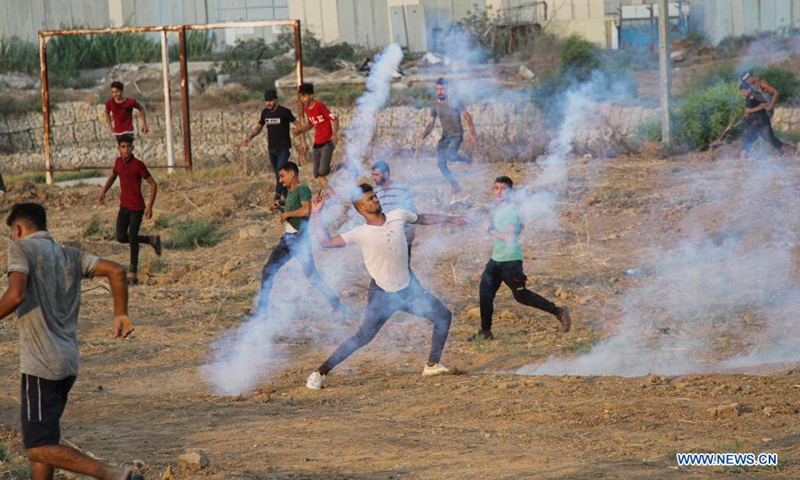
x: 377, y: 417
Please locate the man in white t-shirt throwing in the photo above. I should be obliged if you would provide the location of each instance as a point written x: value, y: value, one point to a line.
x: 393, y: 288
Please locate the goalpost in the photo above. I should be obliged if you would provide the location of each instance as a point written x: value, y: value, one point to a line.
x: 180, y: 30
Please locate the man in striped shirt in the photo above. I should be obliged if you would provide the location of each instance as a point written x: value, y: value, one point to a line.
x: 394, y: 196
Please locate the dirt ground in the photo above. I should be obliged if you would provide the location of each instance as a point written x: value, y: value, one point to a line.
x: 144, y: 398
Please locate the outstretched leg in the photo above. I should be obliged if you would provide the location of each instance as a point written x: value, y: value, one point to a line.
x: 301, y: 250
x: 380, y: 306
x: 423, y: 303
x: 490, y: 283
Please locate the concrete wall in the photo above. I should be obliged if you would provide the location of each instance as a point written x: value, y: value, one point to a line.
x: 508, y: 132
x: 24, y: 18
x: 718, y: 19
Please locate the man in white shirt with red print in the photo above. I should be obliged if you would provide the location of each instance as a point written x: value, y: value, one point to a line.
x: 393, y: 288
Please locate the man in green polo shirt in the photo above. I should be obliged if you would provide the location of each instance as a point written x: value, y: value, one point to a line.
x: 505, y: 266
x: 295, y: 242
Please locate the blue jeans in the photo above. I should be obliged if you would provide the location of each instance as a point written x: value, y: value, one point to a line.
x: 381, y: 305
x: 447, y: 151
x: 278, y: 159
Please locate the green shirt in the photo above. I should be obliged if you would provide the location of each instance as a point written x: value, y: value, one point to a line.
x: 506, y: 215
x: 301, y: 193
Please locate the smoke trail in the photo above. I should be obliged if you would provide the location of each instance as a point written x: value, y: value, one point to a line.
x: 733, y: 286
x: 362, y: 127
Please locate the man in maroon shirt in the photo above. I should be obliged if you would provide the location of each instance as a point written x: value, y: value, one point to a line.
x: 131, y: 171
x: 326, y: 133
x: 121, y: 109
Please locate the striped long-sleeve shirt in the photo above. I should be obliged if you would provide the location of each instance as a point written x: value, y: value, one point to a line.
x: 397, y: 196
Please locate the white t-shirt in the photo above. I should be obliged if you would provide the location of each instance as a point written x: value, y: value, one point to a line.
x: 385, y: 249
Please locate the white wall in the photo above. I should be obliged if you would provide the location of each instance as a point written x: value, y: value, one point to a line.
x: 24, y: 18
x: 718, y: 19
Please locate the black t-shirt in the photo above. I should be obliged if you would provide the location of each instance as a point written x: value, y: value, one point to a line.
x: 278, y: 123
x: 761, y: 117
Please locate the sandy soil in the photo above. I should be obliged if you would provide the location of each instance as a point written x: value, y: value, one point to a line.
x: 377, y: 417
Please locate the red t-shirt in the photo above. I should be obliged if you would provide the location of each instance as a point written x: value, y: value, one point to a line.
x: 122, y: 113
x: 131, y: 174
x: 320, y: 117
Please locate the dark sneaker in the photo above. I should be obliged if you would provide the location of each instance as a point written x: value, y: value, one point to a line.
x: 155, y: 241
x: 564, y: 319
x: 132, y: 281
x: 482, y: 335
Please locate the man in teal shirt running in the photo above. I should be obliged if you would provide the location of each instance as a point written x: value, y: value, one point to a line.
x: 295, y: 242
x: 505, y: 266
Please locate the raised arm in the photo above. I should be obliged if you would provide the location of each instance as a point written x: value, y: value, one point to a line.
x: 473, y: 139
x: 119, y: 292
x: 428, y: 127
x: 772, y: 91
x: 325, y: 240
x: 303, y: 143
x: 108, y: 122
x: 253, y: 132
x: 111, y: 179
x: 148, y: 213
x: 335, y: 131
x: 433, y: 219
x: 144, y: 118
x: 15, y: 293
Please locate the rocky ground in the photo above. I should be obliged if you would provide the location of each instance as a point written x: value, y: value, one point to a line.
x: 145, y: 398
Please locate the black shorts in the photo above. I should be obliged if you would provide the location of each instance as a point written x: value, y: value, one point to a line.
x: 43, y: 403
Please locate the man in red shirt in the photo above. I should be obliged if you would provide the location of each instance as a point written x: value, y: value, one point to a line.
x: 121, y: 109
x: 131, y: 171
x: 326, y: 128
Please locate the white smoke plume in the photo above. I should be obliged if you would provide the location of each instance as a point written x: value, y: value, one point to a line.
x: 730, y: 282
x: 361, y: 128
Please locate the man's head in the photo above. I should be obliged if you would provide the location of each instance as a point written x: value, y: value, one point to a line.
x: 26, y: 218
x: 117, y: 89
x: 125, y: 146
x: 502, y: 188
x: 365, y: 200
x: 271, y: 98
x: 306, y: 92
x: 749, y: 78
x: 441, y: 88
x: 745, y: 88
x: 381, y: 174
x: 289, y: 174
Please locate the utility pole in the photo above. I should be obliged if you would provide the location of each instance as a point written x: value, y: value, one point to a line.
x: 665, y: 71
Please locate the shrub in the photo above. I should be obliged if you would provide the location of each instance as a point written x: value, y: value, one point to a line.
x: 722, y: 72
x: 190, y: 233
x: 701, y: 117
x: 14, y: 105
x: 98, y: 230
x: 784, y: 80
x: 579, y: 58
x: 17, y: 55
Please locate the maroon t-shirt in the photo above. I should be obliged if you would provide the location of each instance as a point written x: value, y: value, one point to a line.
x: 122, y: 113
x: 131, y: 174
x: 320, y: 117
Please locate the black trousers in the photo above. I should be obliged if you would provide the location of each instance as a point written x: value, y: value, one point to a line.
x: 752, y: 132
x: 381, y: 305
x: 512, y: 275
x: 128, y: 224
x: 297, y: 245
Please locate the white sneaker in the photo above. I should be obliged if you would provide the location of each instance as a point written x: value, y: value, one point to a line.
x: 314, y: 381
x: 436, y: 369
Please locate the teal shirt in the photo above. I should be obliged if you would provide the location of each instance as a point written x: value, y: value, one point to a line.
x: 294, y: 199
x: 506, y: 251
